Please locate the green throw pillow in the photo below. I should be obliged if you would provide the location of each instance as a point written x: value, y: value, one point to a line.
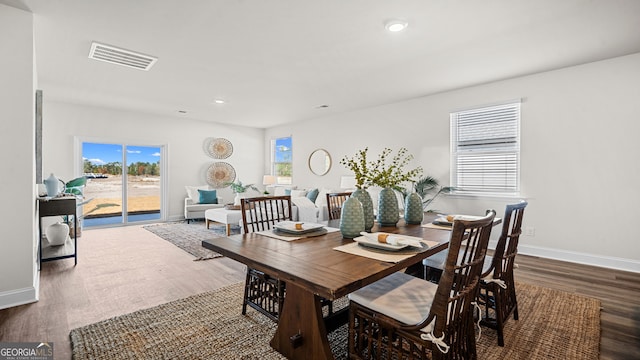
x: 312, y: 195
x: 208, y: 196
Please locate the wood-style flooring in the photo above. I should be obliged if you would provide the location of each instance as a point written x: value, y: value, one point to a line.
x: 125, y: 269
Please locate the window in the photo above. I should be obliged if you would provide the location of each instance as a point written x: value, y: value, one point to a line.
x: 281, y: 160
x: 485, y: 150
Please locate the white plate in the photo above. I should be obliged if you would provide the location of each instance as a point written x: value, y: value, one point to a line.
x: 290, y: 227
x: 378, y: 245
x: 442, y: 221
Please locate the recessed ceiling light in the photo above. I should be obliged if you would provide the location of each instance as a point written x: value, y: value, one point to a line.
x: 219, y: 101
x: 396, y: 25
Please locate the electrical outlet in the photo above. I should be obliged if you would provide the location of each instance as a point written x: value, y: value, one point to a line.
x: 530, y: 231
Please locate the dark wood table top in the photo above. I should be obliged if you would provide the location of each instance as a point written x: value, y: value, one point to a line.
x: 314, y: 265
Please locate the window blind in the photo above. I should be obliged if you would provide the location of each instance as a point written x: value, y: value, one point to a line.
x: 485, y: 148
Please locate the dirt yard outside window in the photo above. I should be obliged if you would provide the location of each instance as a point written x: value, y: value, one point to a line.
x: 106, y: 194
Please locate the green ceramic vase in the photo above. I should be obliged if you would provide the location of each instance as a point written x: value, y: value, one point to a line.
x: 367, y: 207
x: 388, y: 212
x: 351, y: 218
x: 413, y: 212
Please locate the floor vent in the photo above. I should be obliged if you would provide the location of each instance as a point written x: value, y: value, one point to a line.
x: 120, y: 56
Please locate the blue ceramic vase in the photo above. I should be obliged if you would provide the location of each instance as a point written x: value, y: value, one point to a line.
x: 413, y: 212
x: 367, y: 207
x: 388, y: 211
x: 351, y: 218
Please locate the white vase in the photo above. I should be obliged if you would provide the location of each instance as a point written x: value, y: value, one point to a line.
x: 57, y: 233
x: 239, y: 196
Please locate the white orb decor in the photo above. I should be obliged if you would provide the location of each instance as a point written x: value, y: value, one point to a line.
x: 57, y: 233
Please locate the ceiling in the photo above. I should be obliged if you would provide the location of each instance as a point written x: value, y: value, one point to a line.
x: 278, y: 61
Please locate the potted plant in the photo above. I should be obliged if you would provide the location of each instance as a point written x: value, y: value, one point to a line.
x: 424, y: 186
x: 75, y: 187
x: 239, y: 188
x: 388, y: 173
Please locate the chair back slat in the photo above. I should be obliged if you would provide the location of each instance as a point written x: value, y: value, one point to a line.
x: 261, y: 213
x: 334, y: 204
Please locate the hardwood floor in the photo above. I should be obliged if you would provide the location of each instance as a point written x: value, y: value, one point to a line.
x: 121, y: 270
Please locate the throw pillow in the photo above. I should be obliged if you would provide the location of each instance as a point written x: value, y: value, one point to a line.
x: 312, y: 195
x: 298, y: 193
x: 192, y: 192
x: 287, y: 191
x: 207, y: 197
x: 321, y: 200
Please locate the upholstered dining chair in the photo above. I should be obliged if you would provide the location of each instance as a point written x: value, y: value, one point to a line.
x: 402, y: 316
x: 262, y: 291
x: 334, y: 204
x: 497, y: 285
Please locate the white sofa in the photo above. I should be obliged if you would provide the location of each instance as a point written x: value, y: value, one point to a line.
x: 192, y: 208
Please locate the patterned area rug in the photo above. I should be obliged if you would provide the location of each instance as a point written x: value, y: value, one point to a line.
x: 552, y: 325
x: 188, y: 237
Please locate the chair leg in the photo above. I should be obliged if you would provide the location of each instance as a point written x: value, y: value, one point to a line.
x: 246, y: 293
x: 515, y: 304
x: 499, y: 316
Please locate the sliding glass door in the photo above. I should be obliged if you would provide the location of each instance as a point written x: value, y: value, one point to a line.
x: 117, y: 194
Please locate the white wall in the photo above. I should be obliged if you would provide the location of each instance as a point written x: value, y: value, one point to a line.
x: 18, y: 271
x: 579, y: 154
x: 187, y: 161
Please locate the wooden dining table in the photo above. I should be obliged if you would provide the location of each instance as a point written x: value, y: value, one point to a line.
x: 313, y: 270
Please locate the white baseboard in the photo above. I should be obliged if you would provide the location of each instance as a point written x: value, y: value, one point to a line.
x: 18, y: 297
x: 579, y: 258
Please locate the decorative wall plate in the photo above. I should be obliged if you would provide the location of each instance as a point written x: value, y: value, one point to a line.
x: 220, y: 173
x: 218, y: 148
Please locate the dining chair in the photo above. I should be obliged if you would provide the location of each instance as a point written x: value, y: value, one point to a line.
x: 402, y: 316
x: 497, y: 285
x: 264, y: 292
x: 334, y: 204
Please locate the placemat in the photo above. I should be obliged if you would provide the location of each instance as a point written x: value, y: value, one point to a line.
x: 439, y: 227
x: 271, y: 234
x: 382, y: 255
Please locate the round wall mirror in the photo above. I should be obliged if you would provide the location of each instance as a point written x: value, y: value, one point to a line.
x: 320, y: 162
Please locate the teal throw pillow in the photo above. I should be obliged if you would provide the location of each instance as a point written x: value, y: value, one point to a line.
x: 312, y: 195
x: 208, y: 196
x: 287, y: 191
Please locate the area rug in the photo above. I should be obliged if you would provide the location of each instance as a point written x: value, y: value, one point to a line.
x: 552, y: 325
x: 188, y: 237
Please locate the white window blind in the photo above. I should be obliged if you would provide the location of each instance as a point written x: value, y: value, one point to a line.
x: 485, y: 148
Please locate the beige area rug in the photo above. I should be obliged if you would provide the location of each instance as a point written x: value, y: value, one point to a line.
x: 188, y: 237
x: 552, y: 325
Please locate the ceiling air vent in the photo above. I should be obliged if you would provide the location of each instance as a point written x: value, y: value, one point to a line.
x: 114, y: 55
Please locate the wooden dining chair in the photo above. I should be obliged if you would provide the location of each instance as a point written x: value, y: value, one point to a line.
x: 402, y: 316
x: 497, y: 285
x: 334, y: 204
x: 264, y: 292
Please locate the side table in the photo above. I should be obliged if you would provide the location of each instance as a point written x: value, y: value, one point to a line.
x: 58, y: 207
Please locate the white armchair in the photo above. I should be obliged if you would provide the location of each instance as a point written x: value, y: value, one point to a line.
x: 193, y: 208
